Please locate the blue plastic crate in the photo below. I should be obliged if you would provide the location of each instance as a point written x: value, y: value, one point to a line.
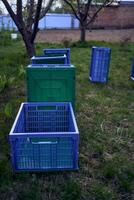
x: 132, y: 72
x: 100, y: 61
x: 55, y: 60
x: 58, y: 51
x: 44, y: 136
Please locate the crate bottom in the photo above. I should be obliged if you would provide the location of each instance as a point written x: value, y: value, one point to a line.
x: 46, y: 170
x: 31, y: 164
x: 97, y: 81
x: 44, y: 165
x: 36, y: 165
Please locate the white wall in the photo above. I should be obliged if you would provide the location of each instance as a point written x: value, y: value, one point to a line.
x: 50, y: 21
x: 58, y: 21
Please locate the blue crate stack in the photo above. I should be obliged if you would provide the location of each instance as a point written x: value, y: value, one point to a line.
x: 132, y: 72
x: 99, y: 67
x: 65, y: 51
x: 45, y: 136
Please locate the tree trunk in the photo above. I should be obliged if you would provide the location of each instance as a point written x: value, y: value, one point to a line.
x: 83, y: 34
x: 30, y: 48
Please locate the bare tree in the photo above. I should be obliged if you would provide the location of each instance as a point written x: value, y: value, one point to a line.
x: 27, y: 19
x: 86, y: 12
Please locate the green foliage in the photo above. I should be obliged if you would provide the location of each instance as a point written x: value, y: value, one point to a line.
x: 102, y: 192
x: 80, y: 44
x: 72, y: 191
x: 6, y: 82
x: 8, y: 110
x: 5, y: 38
x: 3, y: 83
x: 116, y: 169
x: 32, y: 192
x: 66, y: 42
x: 124, y: 44
x: 22, y: 71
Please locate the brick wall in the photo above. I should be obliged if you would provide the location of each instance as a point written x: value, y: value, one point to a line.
x: 115, y: 17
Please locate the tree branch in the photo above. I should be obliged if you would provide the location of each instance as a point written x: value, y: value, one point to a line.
x: 19, y: 10
x: 87, y: 9
x: 73, y: 9
x: 78, y: 5
x: 46, y: 9
x: 96, y: 13
x: 79, y: 10
x: 36, y: 21
x: 30, y: 10
x: 12, y: 14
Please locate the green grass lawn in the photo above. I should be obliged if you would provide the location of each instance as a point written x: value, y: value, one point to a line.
x: 105, y: 118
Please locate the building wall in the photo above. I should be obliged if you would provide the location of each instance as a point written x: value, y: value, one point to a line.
x: 50, y: 21
x: 7, y: 23
x: 58, y: 21
x: 115, y: 17
x: 121, y: 16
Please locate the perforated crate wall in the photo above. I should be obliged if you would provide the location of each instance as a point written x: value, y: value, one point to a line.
x: 58, y: 52
x: 44, y: 137
x: 100, y: 61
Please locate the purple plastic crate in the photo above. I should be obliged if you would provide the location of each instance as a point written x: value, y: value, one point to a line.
x: 44, y: 136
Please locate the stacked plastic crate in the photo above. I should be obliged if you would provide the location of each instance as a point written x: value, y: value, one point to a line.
x: 45, y: 134
x: 51, y: 78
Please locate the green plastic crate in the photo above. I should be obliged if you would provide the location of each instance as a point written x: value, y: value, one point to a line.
x: 51, y: 84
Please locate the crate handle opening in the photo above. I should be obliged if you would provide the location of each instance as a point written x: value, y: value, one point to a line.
x: 47, y: 142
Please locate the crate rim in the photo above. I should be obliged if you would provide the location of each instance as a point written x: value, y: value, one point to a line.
x: 13, y: 136
x: 49, y: 58
x: 57, y: 49
x: 101, y: 48
x: 65, y: 51
x: 12, y: 133
x: 53, y: 66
